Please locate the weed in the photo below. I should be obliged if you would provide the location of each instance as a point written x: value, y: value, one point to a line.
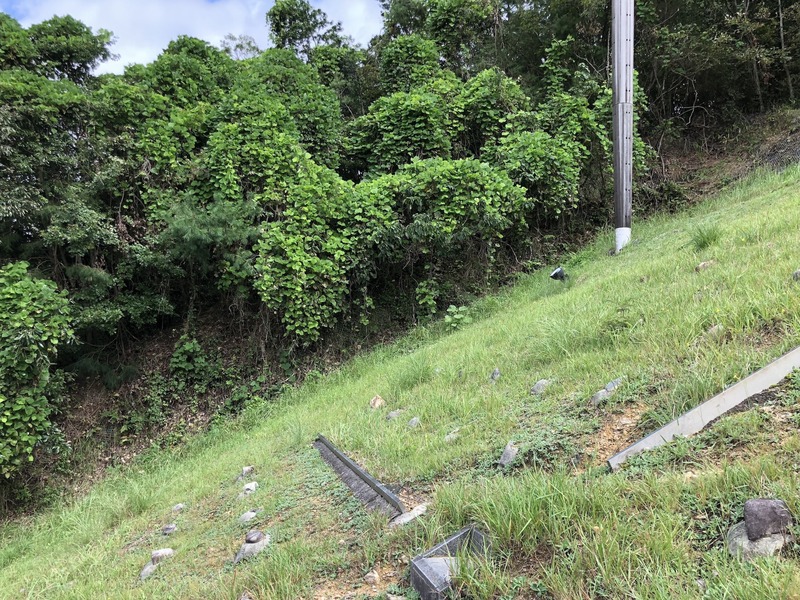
x: 457, y: 317
x: 705, y: 236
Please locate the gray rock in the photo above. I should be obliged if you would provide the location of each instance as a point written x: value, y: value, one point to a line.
x: 509, y: 454
x: 247, y: 470
x: 159, y: 555
x: 246, y: 596
x: 249, y: 488
x: 612, y: 385
x: 169, y: 529
x: 495, y: 375
x: 763, y: 517
x: 251, y: 549
x: 148, y: 570
x: 394, y: 414
x: 600, y: 397
x: 705, y: 265
x: 539, y: 387
x: 414, y: 422
x: 740, y: 546
x: 394, y: 597
x: 715, y: 331
x: 452, y: 436
x: 796, y: 275
x: 408, y: 516
x: 178, y: 507
x: 247, y: 517
x: 254, y: 536
x: 372, y: 578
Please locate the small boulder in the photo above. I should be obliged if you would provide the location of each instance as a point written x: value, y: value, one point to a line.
x: 254, y: 542
x: 509, y: 454
x: 394, y: 414
x: 741, y: 546
x: 376, y: 403
x: 249, y: 488
x: 158, y: 555
x: 178, y: 507
x: 169, y: 529
x: 148, y: 570
x: 495, y: 375
x: 539, y: 387
x: 247, y: 470
x: 372, y: 578
x: 414, y: 422
x: 408, y: 516
x: 452, y: 436
x: 613, y: 385
x: 599, y: 397
x: 763, y: 517
x: 247, y: 517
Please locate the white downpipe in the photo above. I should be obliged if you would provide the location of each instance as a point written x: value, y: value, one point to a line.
x: 623, y: 237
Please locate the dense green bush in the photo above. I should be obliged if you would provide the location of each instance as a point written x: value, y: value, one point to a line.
x: 34, y: 320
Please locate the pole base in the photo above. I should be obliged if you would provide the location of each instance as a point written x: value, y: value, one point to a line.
x: 623, y: 235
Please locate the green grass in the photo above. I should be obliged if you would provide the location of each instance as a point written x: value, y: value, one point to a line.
x: 646, y: 532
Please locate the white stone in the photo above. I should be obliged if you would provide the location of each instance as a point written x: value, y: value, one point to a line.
x: 247, y: 517
x: 414, y: 422
x: 376, y: 403
x: 249, y: 488
x: 148, y: 570
x: 408, y: 516
x: 178, y: 507
x: 509, y: 454
x: 740, y: 546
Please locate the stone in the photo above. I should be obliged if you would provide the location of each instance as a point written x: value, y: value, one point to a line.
x: 394, y: 597
x: 452, y: 436
x: 376, y: 403
x: 148, y: 570
x: 178, y: 507
x: 408, y: 516
x: 251, y: 549
x: 169, y: 529
x: 372, y: 578
x: 764, y: 516
x: 247, y: 517
x: 705, y: 265
x: 539, y: 387
x: 495, y: 375
x: 613, y: 385
x: 158, y: 555
x: 600, y: 397
x: 715, y: 331
x: 414, y: 422
x: 394, y: 414
x: 740, y: 545
x: 246, y: 596
x: 249, y: 488
x: 247, y: 470
x: 796, y: 275
x: 509, y: 454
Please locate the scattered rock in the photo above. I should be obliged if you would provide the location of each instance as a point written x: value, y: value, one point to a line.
x: 509, y: 454
x: 539, y: 387
x: 715, y: 331
x: 249, y: 488
x: 254, y: 542
x: 376, y: 402
x: 169, y: 529
x: 148, y: 570
x: 246, y: 596
x: 394, y: 414
x: 705, y: 265
x: 613, y: 385
x: 452, y: 436
x: 600, y: 397
x: 408, y: 516
x: 740, y: 545
x: 247, y: 517
x: 414, y: 422
x: 796, y: 275
x: 495, y: 375
x: 158, y: 555
x: 178, y: 507
x: 247, y: 470
x: 763, y: 517
x: 393, y: 597
x: 372, y: 578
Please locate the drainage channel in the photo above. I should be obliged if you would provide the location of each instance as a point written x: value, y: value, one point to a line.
x: 372, y: 493
x: 696, y: 419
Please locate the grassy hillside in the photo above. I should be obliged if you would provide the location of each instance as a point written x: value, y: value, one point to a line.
x: 561, y: 526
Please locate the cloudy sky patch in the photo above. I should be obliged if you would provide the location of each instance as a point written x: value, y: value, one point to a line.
x: 143, y: 28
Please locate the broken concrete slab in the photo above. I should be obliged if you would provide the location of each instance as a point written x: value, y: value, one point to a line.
x: 599, y: 397
x: 409, y: 516
x: 431, y: 571
x: 254, y: 542
x: 249, y: 488
x: 373, y: 494
x: 509, y: 454
x: 697, y: 418
x: 765, y: 516
x: 741, y: 546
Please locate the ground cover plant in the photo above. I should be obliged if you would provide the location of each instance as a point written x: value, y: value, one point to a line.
x: 674, y: 331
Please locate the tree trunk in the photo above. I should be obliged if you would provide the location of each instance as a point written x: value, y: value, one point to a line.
x: 784, y: 58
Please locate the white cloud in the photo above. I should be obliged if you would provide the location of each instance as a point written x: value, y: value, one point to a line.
x: 143, y: 28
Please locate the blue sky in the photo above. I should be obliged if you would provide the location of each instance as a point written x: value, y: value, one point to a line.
x: 143, y: 28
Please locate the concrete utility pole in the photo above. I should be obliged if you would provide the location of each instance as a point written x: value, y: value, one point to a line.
x: 622, y: 71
